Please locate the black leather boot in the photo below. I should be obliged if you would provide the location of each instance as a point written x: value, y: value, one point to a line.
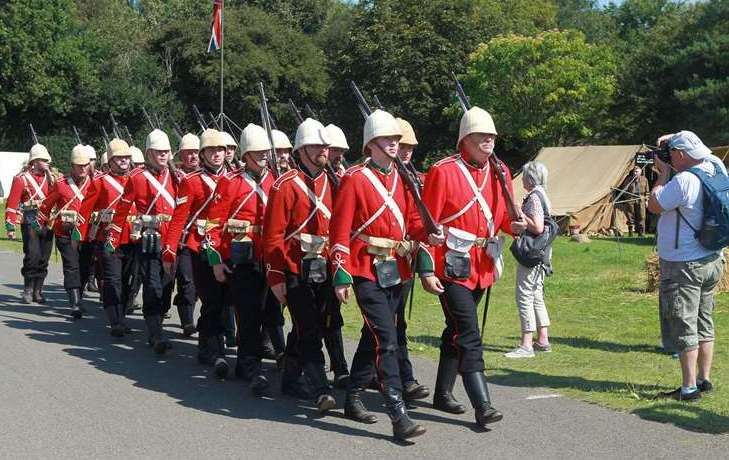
x: 221, y: 364
x: 74, y: 301
x: 27, y: 295
x: 188, y: 324
x: 206, y: 349
x: 113, y: 317
x: 478, y: 393
x: 156, y: 336
x: 335, y: 347
x: 38, y: 290
x: 293, y: 382
x: 415, y: 390
x: 355, y: 409
x: 320, y: 386
x: 443, y: 398
x: 402, y: 426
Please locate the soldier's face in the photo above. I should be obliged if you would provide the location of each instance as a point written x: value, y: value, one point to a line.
x: 159, y: 158
x: 318, y: 155
x: 190, y: 158
x: 229, y: 153
x: 214, y: 156
x: 256, y: 160
x: 40, y: 165
x: 389, y: 145
x: 479, y: 146
x: 335, y: 154
x: 120, y: 164
x: 80, y: 171
x: 405, y: 152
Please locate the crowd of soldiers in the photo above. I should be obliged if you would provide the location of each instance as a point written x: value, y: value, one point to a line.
x: 228, y: 232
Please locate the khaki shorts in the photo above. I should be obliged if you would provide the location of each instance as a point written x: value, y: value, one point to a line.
x: 686, y: 301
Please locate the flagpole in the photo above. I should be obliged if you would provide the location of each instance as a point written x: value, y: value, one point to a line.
x: 222, y: 47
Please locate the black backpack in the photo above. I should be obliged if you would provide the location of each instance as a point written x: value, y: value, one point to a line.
x: 531, y: 250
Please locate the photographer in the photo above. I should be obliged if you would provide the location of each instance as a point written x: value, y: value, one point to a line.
x: 688, y: 271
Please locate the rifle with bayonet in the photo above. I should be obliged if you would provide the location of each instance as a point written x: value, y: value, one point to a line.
x: 78, y: 138
x: 266, y: 120
x: 328, y: 169
x: 115, y: 127
x: 407, y: 176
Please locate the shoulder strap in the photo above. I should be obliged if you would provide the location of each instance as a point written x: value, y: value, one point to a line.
x: 316, y: 201
x: 388, y: 202
x: 161, y: 190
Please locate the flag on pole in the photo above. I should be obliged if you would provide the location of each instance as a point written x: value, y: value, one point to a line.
x: 216, y: 26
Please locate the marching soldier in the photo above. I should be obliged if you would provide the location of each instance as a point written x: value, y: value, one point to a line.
x: 97, y: 212
x: 186, y: 296
x: 412, y: 389
x: 191, y: 226
x: 137, y: 157
x: 60, y: 211
x: 229, y: 320
x: 283, y: 150
x: 334, y: 321
x: 239, y: 213
x: 463, y: 194
x: 151, y: 191
x: 338, y: 148
x: 372, y: 216
x: 27, y: 192
x: 295, y: 249
x: 104, y: 164
x: 87, y: 255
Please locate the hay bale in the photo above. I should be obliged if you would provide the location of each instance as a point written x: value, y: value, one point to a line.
x: 580, y: 238
x: 653, y: 273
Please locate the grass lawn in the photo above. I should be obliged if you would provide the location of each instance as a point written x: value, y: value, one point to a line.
x: 604, y: 334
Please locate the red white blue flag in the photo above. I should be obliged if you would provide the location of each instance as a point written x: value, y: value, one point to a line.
x: 216, y: 26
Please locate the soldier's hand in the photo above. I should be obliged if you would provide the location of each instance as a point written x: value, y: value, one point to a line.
x: 432, y: 284
x: 11, y: 235
x: 342, y: 292
x: 279, y: 290
x: 436, y: 239
x: 220, y: 270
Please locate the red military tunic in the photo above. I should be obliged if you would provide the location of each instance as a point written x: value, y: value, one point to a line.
x: 297, y: 204
x: 67, y: 195
x: 196, y: 194
x: 361, y: 212
x: 102, y: 197
x: 27, y: 188
x: 152, y: 193
x: 244, y: 198
x: 452, y: 202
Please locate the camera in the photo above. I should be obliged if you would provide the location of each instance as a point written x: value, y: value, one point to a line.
x: 648, y: 157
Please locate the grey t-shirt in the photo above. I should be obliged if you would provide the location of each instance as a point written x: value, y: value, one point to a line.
x: 683, y: 192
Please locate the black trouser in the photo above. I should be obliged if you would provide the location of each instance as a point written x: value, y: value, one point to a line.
x: 86, y: 261
x: 37, y: 246
x: 406, y: 366
x: 307, y: 304
x: 120, y: 267
x: 186, y: 296
x: 156, y: 283
x: 248, y: 287
x: 212, y: 296
x: 273, y: 313
x: 70, y: 255
x: 461, y: 338
x: 378, y: 348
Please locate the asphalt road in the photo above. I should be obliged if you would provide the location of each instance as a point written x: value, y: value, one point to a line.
x: 67, y: 390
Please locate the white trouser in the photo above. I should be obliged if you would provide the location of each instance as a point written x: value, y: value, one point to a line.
x: 530, y: 298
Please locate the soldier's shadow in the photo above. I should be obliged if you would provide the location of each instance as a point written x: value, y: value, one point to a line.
x: 177, y: 374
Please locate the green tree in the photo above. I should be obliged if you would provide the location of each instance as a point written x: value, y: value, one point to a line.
x: 404, y: 52
x: 547, y: 90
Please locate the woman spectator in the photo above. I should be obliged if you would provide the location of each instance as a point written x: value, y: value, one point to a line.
x: 530, y: 280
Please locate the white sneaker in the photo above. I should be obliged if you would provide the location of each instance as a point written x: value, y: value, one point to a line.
x: 520, y: 352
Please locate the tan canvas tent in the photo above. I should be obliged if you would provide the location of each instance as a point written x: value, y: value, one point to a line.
x: 581, y: 185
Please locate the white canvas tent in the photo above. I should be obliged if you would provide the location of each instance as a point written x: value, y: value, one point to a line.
x: 581, y: 185
x: 10, y: 164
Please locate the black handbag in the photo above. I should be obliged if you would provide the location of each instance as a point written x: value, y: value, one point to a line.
x: 531, y: 250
